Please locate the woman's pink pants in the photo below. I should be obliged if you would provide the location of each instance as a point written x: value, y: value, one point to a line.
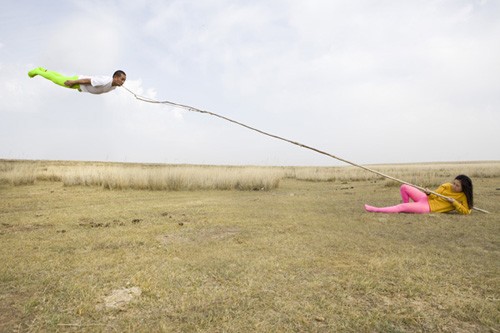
x: 420, y: 204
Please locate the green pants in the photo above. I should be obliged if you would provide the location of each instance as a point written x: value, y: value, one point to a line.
x: 55, y: 77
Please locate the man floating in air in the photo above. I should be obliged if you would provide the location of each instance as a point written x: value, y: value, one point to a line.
x: 90, y: 84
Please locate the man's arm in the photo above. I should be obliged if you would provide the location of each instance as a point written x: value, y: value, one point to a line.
x: 71, y: 83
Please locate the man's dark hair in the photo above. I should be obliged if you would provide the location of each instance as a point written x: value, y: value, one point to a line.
x: 119, y: 73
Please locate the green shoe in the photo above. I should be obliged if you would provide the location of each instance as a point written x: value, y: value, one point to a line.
x: 34, y: 72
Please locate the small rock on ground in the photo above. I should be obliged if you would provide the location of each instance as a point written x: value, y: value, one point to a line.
x: 120, y: 298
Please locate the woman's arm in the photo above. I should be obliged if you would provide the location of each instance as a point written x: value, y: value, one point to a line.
x: 459, y: 207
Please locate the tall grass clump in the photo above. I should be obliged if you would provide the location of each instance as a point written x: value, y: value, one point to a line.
x: 428, y: 174
x: 194, y: 177
x: 173, y: 178
x: 17, y: 175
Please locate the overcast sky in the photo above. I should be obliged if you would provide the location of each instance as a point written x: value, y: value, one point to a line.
x: 385, y: 81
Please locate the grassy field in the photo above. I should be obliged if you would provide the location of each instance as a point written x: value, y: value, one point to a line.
x: 296, y: 255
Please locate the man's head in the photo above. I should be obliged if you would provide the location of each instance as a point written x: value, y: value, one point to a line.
x: 119, y: 78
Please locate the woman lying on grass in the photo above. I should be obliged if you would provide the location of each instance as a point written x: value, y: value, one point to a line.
x: 459, y: 195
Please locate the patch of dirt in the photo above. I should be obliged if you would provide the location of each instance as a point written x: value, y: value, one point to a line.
x: 8, y: 227
x: 91, y: 223
x: 119, y: 298
x: 11, y: 316
x: 181, y: 218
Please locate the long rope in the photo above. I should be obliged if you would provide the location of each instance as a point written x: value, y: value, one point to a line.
x: 192, y: 109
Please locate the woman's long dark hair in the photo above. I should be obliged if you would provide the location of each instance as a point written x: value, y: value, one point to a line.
x: 467, y: 189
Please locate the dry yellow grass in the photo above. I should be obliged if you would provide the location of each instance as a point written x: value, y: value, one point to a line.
x: 418, y: 174
x: 143, y: 177
x: 172, y: 178
x: 190, y: 177
x: 301, y: 257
